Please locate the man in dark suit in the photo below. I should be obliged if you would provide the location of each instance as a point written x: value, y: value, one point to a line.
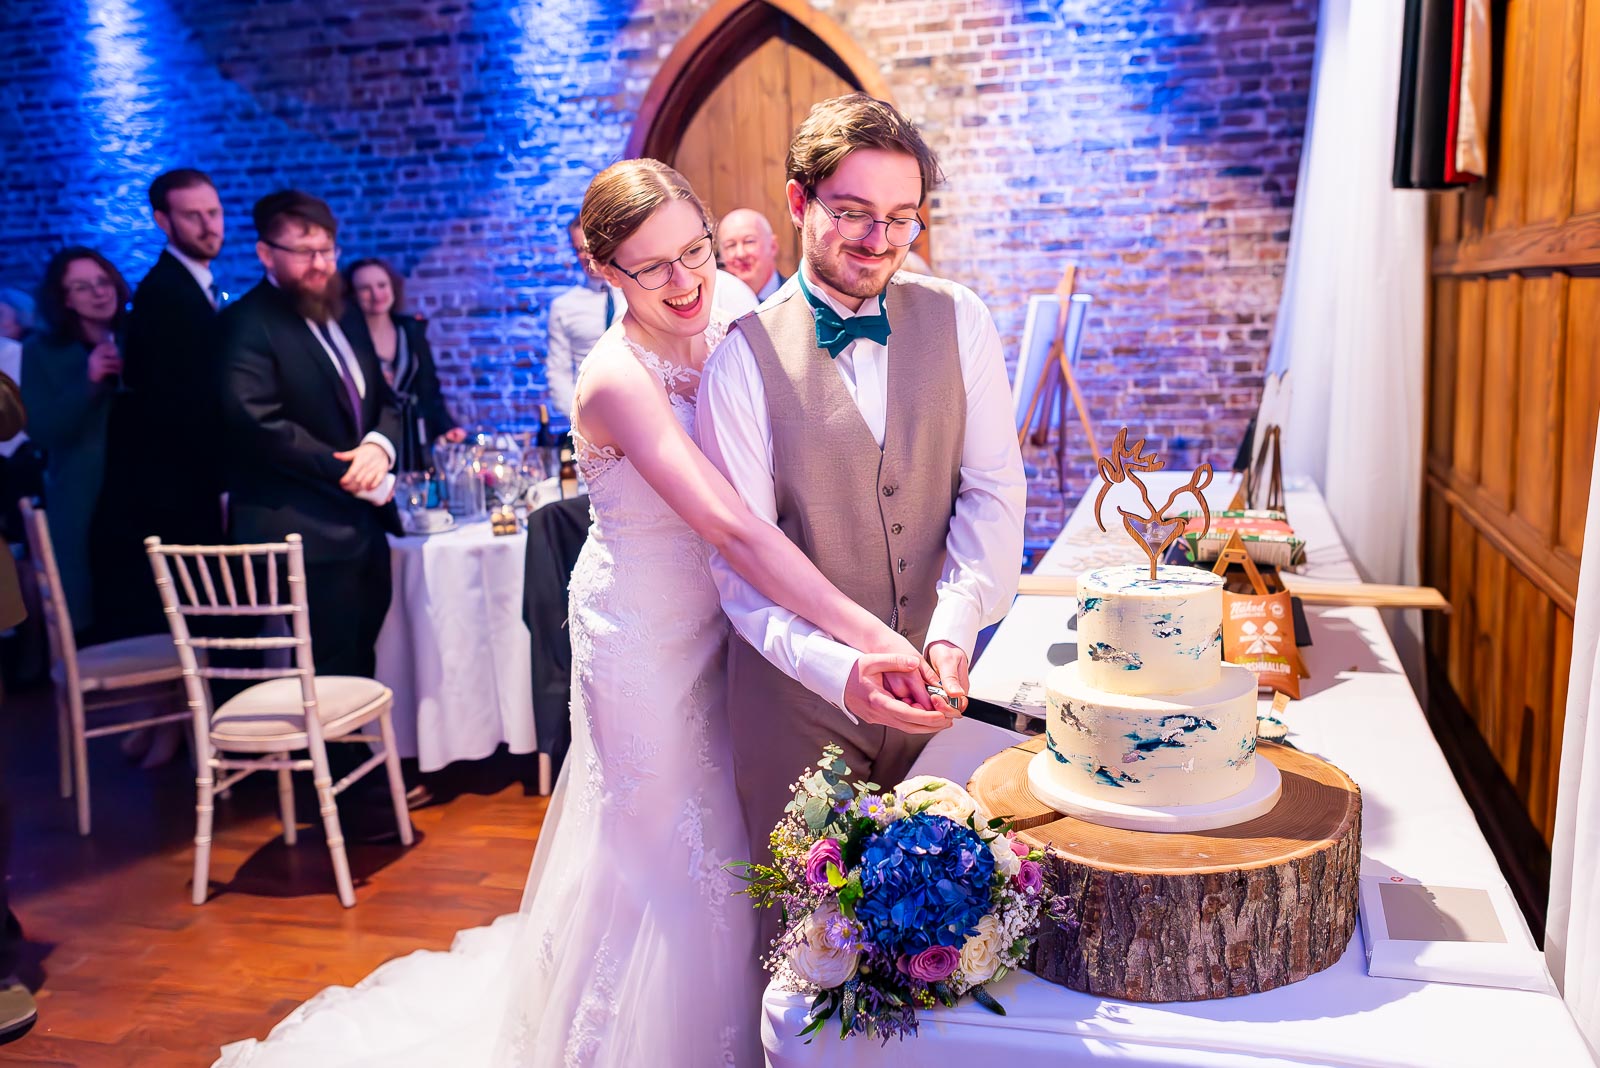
x: 311, y: 427
x: 171, y: 365
x: 159, y: 478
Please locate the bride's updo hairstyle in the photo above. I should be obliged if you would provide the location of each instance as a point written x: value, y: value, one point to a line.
x: 622, y: 197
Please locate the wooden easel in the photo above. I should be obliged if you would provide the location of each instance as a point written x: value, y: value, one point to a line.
x: 1233, y: 552
x: 1048, y: 392
x: 1250, y: 484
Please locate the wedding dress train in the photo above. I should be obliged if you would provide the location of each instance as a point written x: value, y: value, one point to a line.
x: 629, y: 948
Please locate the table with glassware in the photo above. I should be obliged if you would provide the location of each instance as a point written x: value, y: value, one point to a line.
x: 1358, y: 711
x: 454, y: 648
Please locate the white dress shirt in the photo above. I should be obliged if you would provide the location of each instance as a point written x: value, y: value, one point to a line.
x: 201, y: 272
x: 577, y: 319
x: 343, y: 356
x: 11, y: 364
x: 984, y: 546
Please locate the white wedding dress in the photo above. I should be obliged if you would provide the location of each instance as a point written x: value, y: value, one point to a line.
x: 629, y: 949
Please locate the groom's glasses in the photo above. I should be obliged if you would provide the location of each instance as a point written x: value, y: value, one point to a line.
x: 857, y: 225
x: 659, y: 274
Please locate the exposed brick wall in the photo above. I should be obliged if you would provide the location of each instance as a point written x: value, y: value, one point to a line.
x: 1153, y: 143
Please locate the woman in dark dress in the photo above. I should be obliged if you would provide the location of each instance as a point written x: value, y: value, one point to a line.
x: 71, y: 376
x: 401, y: 342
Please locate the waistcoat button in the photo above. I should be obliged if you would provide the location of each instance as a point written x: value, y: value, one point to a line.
x: 900, y: 566
x: 888, y: 491
x: 897, y: 528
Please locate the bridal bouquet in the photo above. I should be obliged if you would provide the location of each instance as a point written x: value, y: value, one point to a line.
x: 894, y: 902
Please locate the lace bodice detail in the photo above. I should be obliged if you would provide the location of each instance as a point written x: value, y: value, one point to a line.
x: 620, y: 496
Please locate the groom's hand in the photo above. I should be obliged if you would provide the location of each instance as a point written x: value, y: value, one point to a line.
x: 950, y: 663
x: 868, y: 695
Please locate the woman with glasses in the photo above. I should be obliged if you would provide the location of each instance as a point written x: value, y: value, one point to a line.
x: 401, y: 342
x: 629, y: 891
x: 71, y: 377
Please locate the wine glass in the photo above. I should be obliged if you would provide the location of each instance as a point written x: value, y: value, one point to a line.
x: 502, y: 477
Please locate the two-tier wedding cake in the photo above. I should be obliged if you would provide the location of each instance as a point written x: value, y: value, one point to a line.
x: 1148, y: 728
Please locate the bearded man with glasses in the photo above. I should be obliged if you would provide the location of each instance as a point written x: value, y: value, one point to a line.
x: 865, y: 411
x: 311, y: 426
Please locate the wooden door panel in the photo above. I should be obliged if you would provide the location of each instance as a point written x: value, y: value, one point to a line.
x: 1514, y: 380
x: 734, y: 149
x: 1581, y: 406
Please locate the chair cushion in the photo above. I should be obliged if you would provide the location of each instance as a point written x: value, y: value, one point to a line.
x: 271, y: 711
x: 140, y: 661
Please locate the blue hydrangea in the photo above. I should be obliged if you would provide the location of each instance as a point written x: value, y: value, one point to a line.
x: 926, y: 882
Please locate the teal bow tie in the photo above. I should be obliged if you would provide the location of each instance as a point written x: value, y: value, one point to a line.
x: 835, y: 332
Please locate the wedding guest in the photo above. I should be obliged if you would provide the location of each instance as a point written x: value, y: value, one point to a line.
x: 577, y: 319
x: 71, y: 376
x: 749, y: 250
x: 311, y: 426
x: 401, y: 342
x: 16, y: 314
x: 18, y: 1009
x: 171, y: 371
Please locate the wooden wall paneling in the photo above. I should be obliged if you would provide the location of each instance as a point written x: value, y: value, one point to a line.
x: 1556, y: 37
x: 1462, y: 654
x: 1497, y: 427
x: 1489, y: 590
x: 1468, y: 406
x: 1444, y: 342
x: 1581, y: 399
x: 1511, y: 156
x: 1533, y: 743
x: 1586, y: 182
x: 1538, y: 359
x: 1446, y: 220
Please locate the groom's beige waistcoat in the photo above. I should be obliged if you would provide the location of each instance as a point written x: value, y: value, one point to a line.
x: 873, y: 521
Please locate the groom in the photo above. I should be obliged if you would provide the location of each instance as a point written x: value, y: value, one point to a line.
x: 867, y: 414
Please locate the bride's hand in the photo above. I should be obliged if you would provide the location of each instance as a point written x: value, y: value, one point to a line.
x: 910, y: 687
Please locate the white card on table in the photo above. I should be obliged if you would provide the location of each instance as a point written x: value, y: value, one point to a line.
x: 1448, y: 934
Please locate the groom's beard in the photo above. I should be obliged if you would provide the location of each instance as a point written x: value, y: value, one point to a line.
x: 828, y: 263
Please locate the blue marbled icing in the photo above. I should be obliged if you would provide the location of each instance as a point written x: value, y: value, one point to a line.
x: 1099, y: 772
x: 1164, y: 627
x: 1090, y: 604
x: 1104, y: 653
x: 1169, y: 735
x: 1247, y: 751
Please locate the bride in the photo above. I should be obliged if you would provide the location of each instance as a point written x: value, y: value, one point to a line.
x: 629, y: 948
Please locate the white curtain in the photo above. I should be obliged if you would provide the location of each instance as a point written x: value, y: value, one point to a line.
x: 1572, y: 925
x: 1350, y: 322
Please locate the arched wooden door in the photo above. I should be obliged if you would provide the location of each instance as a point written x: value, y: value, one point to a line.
x: 726, y: 102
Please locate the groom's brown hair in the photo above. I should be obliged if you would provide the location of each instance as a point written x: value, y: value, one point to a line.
x: 837, y: 127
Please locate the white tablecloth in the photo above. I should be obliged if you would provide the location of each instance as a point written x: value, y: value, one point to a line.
x: 454, y: 648
x: 1359, y: 712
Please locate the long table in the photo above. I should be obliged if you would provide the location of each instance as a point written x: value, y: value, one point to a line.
x: 1358, y: 711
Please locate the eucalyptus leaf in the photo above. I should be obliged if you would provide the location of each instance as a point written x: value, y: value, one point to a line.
x: 817, y: 812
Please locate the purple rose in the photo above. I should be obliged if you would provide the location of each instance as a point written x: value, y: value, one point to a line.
x: 1031, y: 878
x: 824, y: 851
x: 934, y: 964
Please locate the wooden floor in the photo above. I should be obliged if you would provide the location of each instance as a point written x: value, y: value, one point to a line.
x: 128, y: 972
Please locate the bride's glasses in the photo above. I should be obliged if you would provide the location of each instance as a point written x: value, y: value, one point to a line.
x: 659, y: 274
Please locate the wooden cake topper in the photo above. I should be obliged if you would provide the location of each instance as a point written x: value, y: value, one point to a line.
x: 1152, y: 532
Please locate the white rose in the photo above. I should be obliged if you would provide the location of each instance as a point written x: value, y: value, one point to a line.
x: 814, y: 959
x: 980, y: 956
x: 1006, y: 861
x: 936, y: 796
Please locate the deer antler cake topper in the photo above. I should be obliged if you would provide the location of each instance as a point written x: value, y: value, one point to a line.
x: 1152, y: 532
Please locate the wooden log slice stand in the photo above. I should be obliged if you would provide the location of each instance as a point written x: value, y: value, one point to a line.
x: 1145, y: 916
